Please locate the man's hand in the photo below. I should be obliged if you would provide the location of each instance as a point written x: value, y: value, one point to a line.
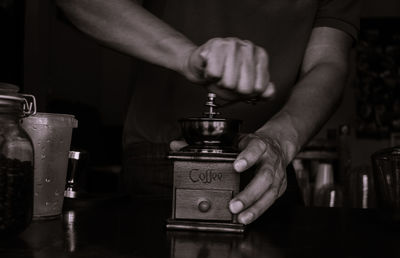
x: 265, y: 155
x: 233, y: 68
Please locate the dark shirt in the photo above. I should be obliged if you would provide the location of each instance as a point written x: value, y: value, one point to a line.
x: 282, y: 27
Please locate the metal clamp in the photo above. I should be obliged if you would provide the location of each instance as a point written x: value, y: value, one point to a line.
x: 29, y: 106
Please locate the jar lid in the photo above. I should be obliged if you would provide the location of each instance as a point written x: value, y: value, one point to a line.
x: 9, y: 92
x: 9, y: 96
x: 52, y: 119
x: 8, y: 87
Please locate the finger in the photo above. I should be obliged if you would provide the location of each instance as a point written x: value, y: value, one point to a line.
x: 177, y: 145
x: 215, y: 57
x: 264, y: 202
x: 262, y: 72
x: 224, y: 94
x: 282, y: 187
x: 194, y: 66
x: 244, y: 141
x: 257, y: 187
x: 247, y: 68
x: 269, y: 91
x: 231, y: 70
x: 204, y: 53
x: 253, y: 212
x: 250, y: 155
x: 198, y: 60
x: 238, y: 139
x: 241, y: 136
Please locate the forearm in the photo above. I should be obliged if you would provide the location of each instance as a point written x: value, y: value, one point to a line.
x: 311, y: 103
x: 127, y: 27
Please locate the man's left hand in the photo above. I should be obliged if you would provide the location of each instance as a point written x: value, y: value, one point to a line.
x: 265, y: 155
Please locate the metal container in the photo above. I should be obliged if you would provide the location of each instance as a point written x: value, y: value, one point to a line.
x: 210, y: 131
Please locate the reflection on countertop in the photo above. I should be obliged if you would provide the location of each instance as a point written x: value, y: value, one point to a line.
x: 116, y: 226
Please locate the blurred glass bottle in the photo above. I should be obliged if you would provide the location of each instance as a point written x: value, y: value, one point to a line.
x: 386, y: 165
x: 360, y: 188
x: 344, y: 154
x: 326, y: 192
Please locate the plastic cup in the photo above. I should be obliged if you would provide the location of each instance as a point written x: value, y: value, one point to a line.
x: 51, y: 136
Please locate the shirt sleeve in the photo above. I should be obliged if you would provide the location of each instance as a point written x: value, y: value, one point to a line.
x: 339, y: 14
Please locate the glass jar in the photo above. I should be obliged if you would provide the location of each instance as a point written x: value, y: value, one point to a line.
x: 16, y: 163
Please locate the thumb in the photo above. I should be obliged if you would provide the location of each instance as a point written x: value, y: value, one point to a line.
x: 250, y: 155
x: 269, y: 91
x: 177, y: 145
x: 196, y: 64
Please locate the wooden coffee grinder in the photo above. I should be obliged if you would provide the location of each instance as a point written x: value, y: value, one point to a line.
x: 204, y: 179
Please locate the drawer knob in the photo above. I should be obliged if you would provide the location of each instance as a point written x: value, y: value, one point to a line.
x: 204, y: 206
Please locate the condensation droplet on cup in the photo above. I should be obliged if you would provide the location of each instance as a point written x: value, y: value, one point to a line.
x: 47, y: 203
x: 47, y: 180
x: 56, y: 193
x: 36, y: 194
x: 43, y: 156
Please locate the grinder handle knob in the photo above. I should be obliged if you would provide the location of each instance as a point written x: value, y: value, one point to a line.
x: 204, y: 205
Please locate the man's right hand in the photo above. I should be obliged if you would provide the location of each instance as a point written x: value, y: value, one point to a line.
x: 232, y: 68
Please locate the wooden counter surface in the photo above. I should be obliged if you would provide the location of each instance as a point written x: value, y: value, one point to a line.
x: 120, y: 227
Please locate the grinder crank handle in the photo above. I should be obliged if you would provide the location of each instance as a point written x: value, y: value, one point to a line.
x: 251, y: 100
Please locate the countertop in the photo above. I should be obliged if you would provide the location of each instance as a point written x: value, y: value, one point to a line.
x: 121, y: 227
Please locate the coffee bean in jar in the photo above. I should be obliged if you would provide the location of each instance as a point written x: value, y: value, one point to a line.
x: 16, y: 163
x: 16, y: 187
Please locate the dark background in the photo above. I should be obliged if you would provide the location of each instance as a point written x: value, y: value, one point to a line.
x: 70, y: 73
x: 11, y: 41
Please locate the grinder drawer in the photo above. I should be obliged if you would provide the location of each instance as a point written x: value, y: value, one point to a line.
x: 203, y: 204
